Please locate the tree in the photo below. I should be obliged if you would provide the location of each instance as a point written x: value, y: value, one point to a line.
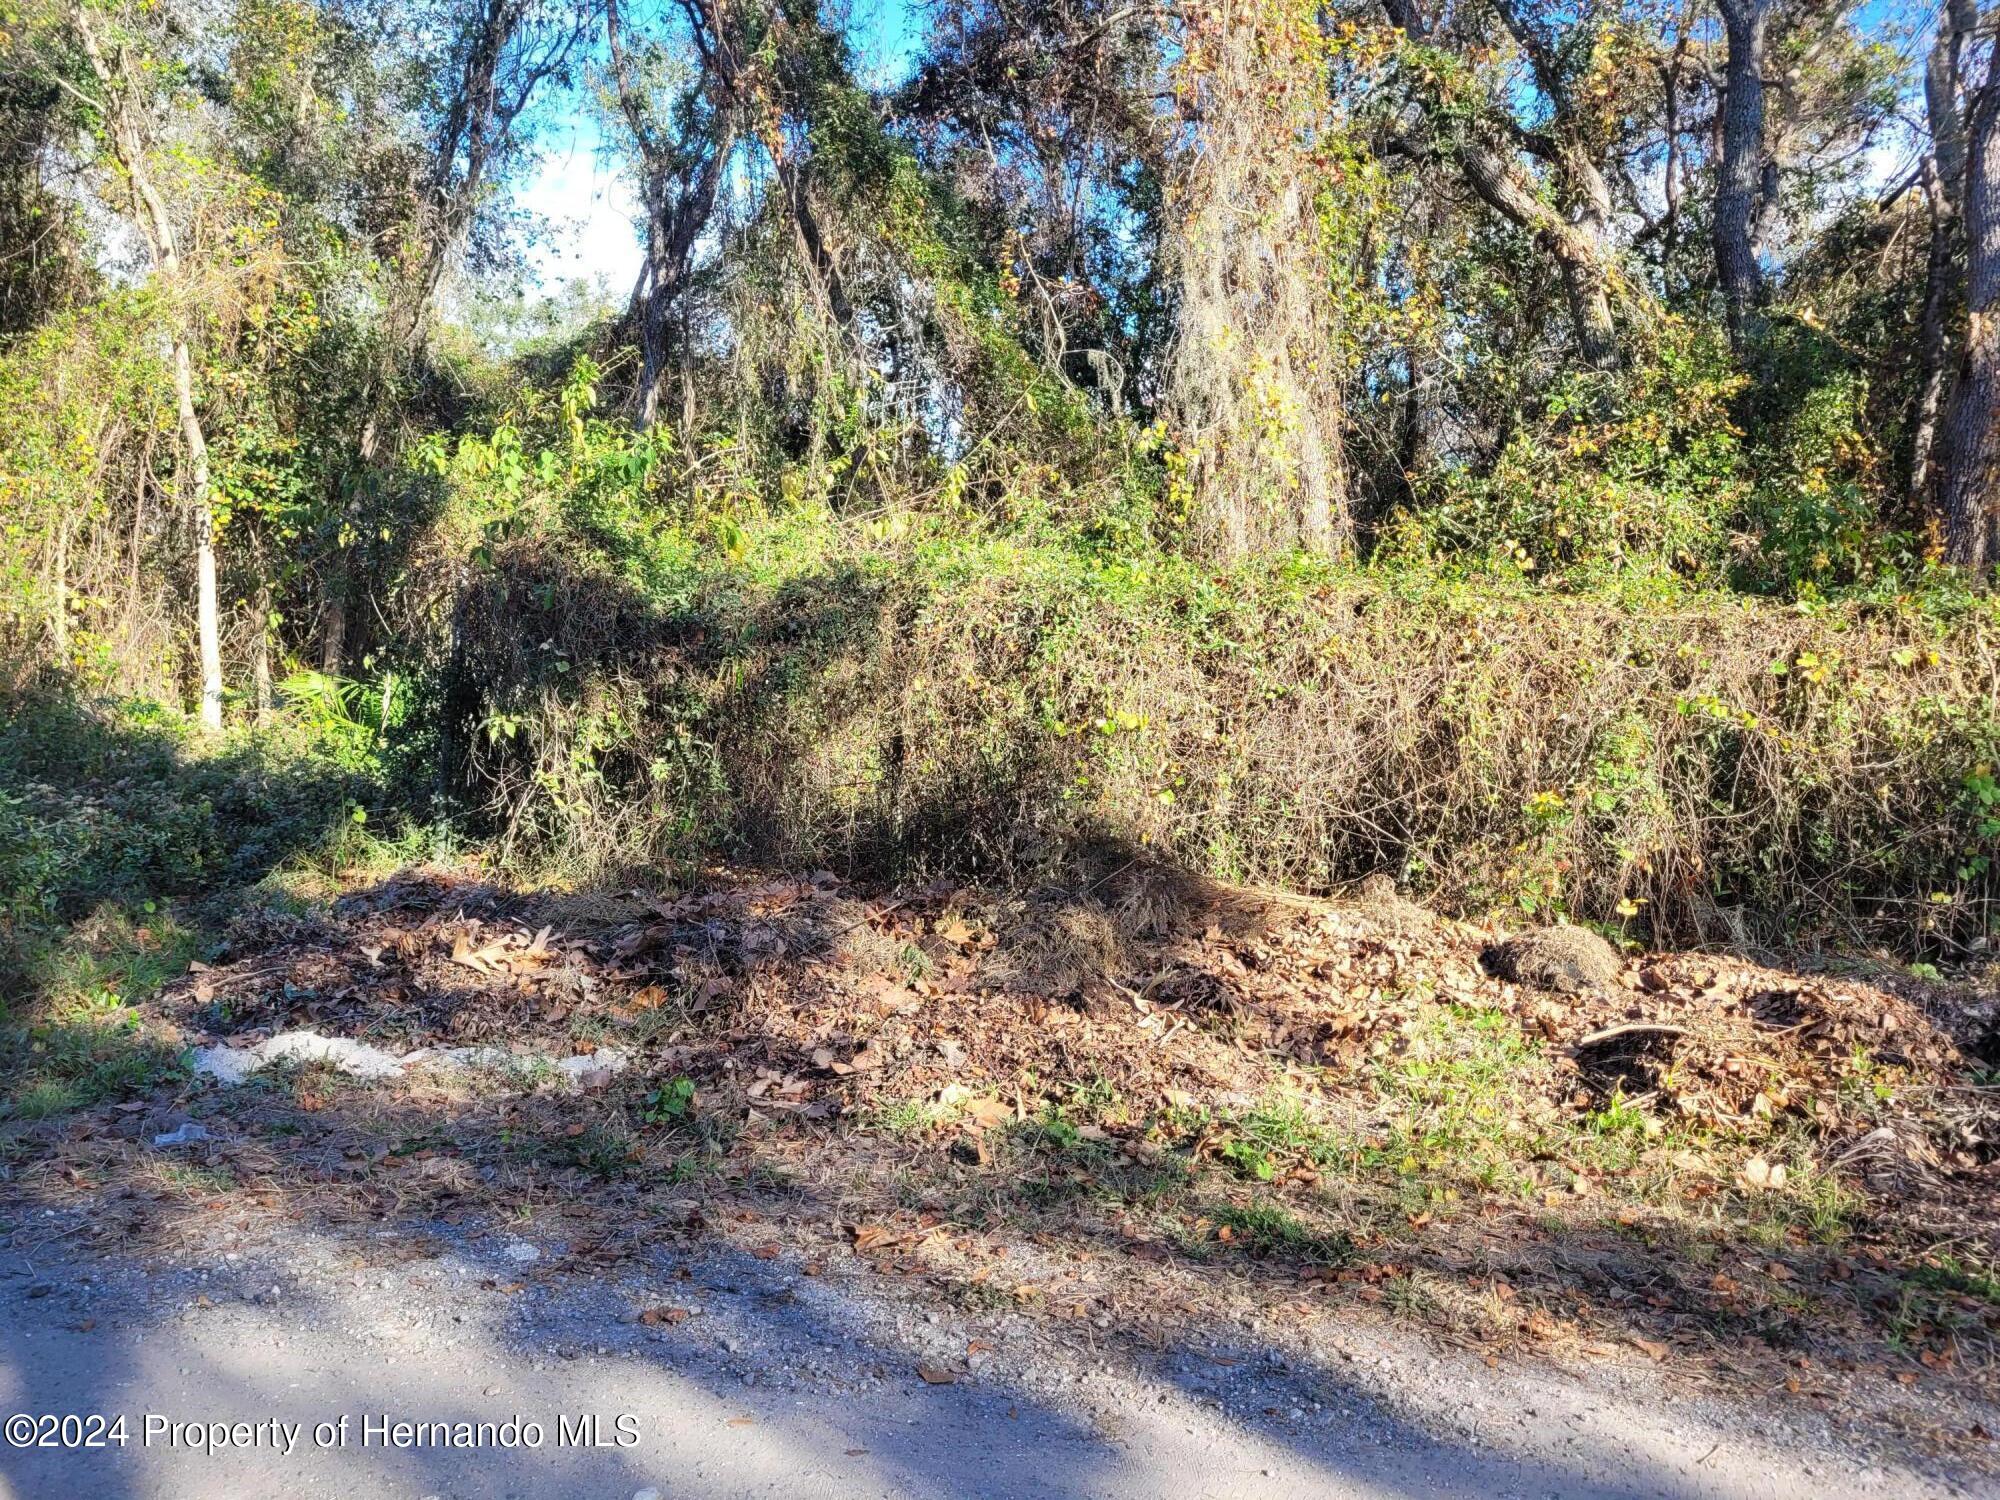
x: 1969, y: 463
x: 1266, y: 206
x: 123, y: 100
x: 1942, y: 176
x: 1491, y: 147
x: 1044, y: 117
x: 681, y: 144
x: 498, y: 53
x: 776, y: 66
x: 1740, y: 173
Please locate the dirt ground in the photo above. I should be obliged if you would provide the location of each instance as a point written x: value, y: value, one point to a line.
x: 1150, y: 1179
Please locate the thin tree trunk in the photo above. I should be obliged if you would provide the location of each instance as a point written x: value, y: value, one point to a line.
x: 1938, y: 280
x: 59, y: 612
x: 1969, y: 466
x: 260, y: 648
x: 1670, y: 230
x: 208, y: 618
x: 140, y: 486
x: 1739, y: 187
x: 128, y: 145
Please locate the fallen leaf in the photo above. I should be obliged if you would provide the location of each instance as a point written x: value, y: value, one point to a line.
x: 485, y: 960
x: 987, y: 1114
x: 932, y: 1375
x: 874, y: 1237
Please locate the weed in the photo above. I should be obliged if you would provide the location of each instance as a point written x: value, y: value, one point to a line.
x: 1265, y: 1228
x: 597, y: 1150
x: 1407, y: 1297
x: 671, y: 1103
x: 912, y: 1116
x: 45, y: 1097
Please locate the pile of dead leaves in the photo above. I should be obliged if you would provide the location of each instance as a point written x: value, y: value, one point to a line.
x: 805, y: 997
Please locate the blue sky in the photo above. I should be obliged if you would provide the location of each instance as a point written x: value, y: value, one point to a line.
x: 587, y: 204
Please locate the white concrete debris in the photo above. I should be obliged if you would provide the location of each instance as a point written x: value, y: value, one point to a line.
x: 521, y: 1252
x: 182, y: 1135
x: 231, y: 1065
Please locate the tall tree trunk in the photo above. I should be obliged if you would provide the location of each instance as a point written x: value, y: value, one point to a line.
x: 208, y: 617
x: 126, y: 132
x: 1943, y: 178
x: 1969, y: 466
x: 1670, y: 228
x: 1739, y: 186
x: 1938, y: 280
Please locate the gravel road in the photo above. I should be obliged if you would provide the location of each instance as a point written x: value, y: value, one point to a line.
x: 751, y: 1378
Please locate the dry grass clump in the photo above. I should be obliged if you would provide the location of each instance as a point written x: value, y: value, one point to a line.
x: 1154, y: 901
x: 1057, y: 944
x: 1568, y: 960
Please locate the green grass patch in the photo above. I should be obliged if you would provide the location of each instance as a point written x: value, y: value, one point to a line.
x: 1266, y: 1228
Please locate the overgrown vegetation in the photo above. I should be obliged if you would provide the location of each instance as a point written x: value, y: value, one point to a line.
x: 1056, y: 503
x: 1287, y: 442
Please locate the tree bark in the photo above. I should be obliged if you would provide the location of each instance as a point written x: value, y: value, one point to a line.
x: 1969, y: 464
x: 208, y: 614
x: 1739, y: 187
x: 1943, y: 179
x: 1938, y: 280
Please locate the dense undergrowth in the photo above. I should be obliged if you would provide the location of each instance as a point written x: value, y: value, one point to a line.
x: 883, y: 697
x: 615, y: 678
x: 902, y: 695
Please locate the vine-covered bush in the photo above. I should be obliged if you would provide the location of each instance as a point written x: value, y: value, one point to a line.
x: 908, y: 690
